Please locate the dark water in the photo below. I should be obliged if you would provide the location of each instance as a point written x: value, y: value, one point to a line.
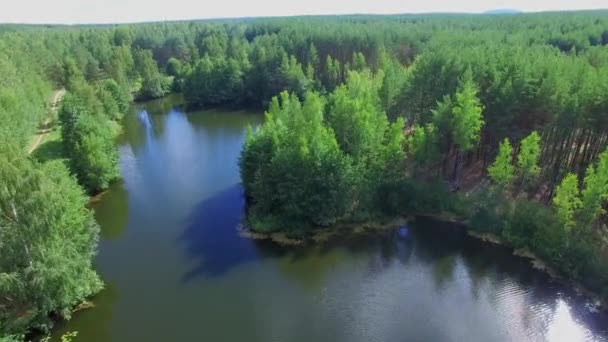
x: 175, y: 269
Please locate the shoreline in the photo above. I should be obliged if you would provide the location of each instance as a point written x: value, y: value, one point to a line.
x: 318, y: 235
x: 537, y: 263
x: 321, y: 234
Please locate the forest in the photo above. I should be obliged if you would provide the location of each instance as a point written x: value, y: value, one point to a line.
x: 500, y: 121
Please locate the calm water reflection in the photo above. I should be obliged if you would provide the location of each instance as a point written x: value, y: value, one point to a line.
x: 175, y: 269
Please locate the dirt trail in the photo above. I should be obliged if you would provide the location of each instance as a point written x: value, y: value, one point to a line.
x: 45, y: 129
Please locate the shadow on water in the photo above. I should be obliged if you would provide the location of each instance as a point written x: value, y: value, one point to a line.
x: 442, y: 245
x: 212, y: 240
x: 93, y: 324
x: 454, y: 260
x: 112, y: 212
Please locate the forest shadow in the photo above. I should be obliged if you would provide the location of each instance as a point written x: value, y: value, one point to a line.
x: 211, y: 238
x: 212, y: 242
x: 48, y: 151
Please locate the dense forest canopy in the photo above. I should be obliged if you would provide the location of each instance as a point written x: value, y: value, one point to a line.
x: 367, y: 116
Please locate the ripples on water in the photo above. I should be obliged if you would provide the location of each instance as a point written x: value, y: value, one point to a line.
x: 452, y: 294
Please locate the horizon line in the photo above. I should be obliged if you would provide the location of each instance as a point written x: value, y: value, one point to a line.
x: 490, y: 12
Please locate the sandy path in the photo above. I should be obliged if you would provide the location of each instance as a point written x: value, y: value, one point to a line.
x: 45, y: 129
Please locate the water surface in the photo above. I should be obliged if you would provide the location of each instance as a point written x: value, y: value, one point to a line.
x: 176, y: 270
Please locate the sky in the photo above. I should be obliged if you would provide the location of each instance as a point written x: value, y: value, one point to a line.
x: 119, y: 11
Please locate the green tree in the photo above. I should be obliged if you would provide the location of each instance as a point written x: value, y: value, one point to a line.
x: 48, y: 241
x: 356, y: 115
x: 213, y: 82
x: 197, y: 86
x: 293, y: 169
x: 422, y: 144
x: 119, y: 95
x: 394, y: 80
x: 364, y: 133
x: 567, y: 200
x: 502, y: 170
x: 174, y: 67
x: 123, y: 35
x: 333, y: 72
x: 358, y: 62
x: 595, y: 191
x: 528, y: 157
x: 312, y: 59
x: 153, y: 85
x: 88, y: 142
x: 72, y: 74
x: 121, y: 67
x: 467, y: 114
x: 293, y: 77
x: 110, y: 106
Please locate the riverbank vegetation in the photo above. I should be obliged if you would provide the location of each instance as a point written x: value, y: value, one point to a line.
x: 47, y: 235
x: 497, y: 120
x: 502, y: 131
x: 306, y: 168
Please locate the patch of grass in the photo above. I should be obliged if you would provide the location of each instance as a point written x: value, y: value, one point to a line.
x: 50, y: 148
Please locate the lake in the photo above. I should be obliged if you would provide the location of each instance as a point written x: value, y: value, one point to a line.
x: 175, y: 268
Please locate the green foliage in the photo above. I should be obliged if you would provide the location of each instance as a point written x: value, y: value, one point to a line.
x: 528, y: 157
x: 72, y: 74
x: 490, y: 212
x: 595, y: 192
x: 364, y: 133
x: 153, y: 83
x: 23, y: 96
x: 69, y: 337
x: 89, y: 145
x: 213, y: 82
x: 300, y: 170
x: 542, y: 73
x: 12, y: 338
x: 121, y: 67
x: 293, y: 77
x: 333, y: 73
x: 458, y: 122
x: 118, y: 94
x: 532, y: 225
x: 358, y: 62
x: 414, y: 197
x: 467, y: 118
x: 395, y: 78
x: 356, y: 116
x: 502, y: 170
x: 422, y: 144
x: 174, y: 67
x: 110, y: 106
x: 567, y: 200
x: 293, y: 169
x: 442, y: 117
x: 48, y: 241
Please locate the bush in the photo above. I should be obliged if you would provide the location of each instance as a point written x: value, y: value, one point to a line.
x: 293, y: 170
x: 489, y: 213
x: 48, y: 242
x: 89, y: 144
x: 529, y: 225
